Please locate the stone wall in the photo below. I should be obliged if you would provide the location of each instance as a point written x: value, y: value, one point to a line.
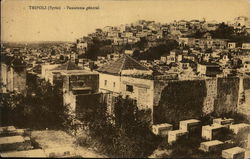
x: 3, y: 78
x: 227, y: 95
x: 159, y: 85
x: 178, y: 100
x: 143, y: 91
x: 211, y: 88
x: 246, y: 83
x: 244, y: 96
x: 13, y: 80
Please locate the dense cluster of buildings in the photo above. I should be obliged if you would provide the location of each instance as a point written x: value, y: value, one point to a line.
x: 195, y: 56
x: 154, y: 32
x: 119, y: 74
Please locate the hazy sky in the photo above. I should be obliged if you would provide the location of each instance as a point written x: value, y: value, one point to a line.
x: 19, y: 23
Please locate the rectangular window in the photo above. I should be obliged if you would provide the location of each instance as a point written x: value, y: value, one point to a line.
x: 129, y: 88
x: 113, y: 84
x: 105, y: 82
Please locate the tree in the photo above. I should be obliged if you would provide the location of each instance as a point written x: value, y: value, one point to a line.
x: 228, y: 32
x: 223, y: 31
x: 136, y: 53
x: 142, y: 43
x: 130, y: 136
x: 41, y: 108
x: 156, y: 52
x: 99, y: 48
x: 135, y: 138
x: 12, y: 109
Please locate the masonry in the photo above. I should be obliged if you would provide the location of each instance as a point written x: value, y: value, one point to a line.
x: 227, y: 95
x: 244, y: 96
x: 178, y: 100
x: 185, y: 99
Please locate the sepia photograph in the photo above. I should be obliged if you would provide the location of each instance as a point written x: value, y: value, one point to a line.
x: 125, y: 79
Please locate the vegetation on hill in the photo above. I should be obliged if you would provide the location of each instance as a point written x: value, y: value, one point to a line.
x: 103, y: 47
x: 99, y: 48
x: 224, y: 31
x: 125, y: 135
x: 154, y: 53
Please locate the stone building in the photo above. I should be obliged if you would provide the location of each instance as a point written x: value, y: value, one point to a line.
x: 78, y: 87
x: 13, y: 74
x: 208, y: 69
x: 127, y: 77
x: 169, y: 99
x: 53, y: 73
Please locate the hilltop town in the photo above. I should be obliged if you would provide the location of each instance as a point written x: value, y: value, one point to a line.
x: 162, y: 86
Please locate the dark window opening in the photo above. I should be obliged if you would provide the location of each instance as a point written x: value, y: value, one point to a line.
x: 129, y: 88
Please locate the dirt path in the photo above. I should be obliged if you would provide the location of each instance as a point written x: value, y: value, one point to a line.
x: 56, y: 138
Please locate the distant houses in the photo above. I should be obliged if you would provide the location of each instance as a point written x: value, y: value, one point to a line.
x: 208, y: 69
